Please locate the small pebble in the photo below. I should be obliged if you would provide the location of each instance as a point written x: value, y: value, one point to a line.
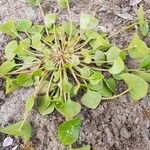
x: 134, y: 2
x: 7, y: 142
x: 14, y: 148
x: 125, y: 133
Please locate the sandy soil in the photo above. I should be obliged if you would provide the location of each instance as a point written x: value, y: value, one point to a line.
x: 114, y: 125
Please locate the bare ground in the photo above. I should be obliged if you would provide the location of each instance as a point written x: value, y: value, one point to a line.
x: 114, y: 125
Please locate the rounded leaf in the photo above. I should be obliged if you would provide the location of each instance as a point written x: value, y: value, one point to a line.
x: 138, y: 87
x: 137, y: 48
x: 95, y: 78
x: 63, y: 3
x: 7, y: 66
x: 69, y: 109
x: 10, y: 49
x: 24, y: 25
x: 145, y: 62
x: 21, y: 129
x: 50, y: 19
x: 29, y: 104
x: 36, y: 29
x: 117, y: 67
x: 34, y: 2
x: 88, y: 22
x: 68, y: 132
x: 91, y: 99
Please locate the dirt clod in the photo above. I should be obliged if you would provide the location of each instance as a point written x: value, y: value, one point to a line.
x: 114, y: 125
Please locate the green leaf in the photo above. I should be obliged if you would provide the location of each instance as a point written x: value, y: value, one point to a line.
x: 25, y: 43
x: 56, y: 76
x: 67, y: 86
x: 138, y: 87
x: 29, y: 104
x: 91, y: 34
x: 29, y: 59
x: 113, y: 53
x: 63, y: 3
x: 88, y: 22
x: 99, y: 56
x: 111, y: 84
x: 96, y: 87
x: 76, y: 89
x: 8, y: 28
x: 91, y: 99
x: 50, y: 19
x: 88, y: 58
x: 85, y: 71
x: 75, y: 61
x: 144, y: 29
x: 105, y: 91
x: 68, y: 132
x: 68, y: 28
x: 45, y: 105
x: 24, y: 25
x: 36, y: 41
x: 38, y: 73
x: 36, y: 29
x: 11, y: 85
x: 69, y: 109
x: 137, y: 48
x: 24, y: 80
x: 22, y: 47
x: 144, y: 75
x: 117, y: 67
x: 7, y: 66
x: 10, y: 49
x: 49, y: 64
x: 43, y: 87
x: 145, y: 62
x: 34, y: 2
x: 140, y: 14
x: 16, y: 130
x: 87, y: 147
x: 95, y: 78
x: 48, y: 110
x: 100, y: 42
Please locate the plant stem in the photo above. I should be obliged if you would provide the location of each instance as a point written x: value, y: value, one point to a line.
x: 28, y: 35
x: 137, y: 70
x: 24, y: 40
x: 61, y: 79
x: 25, y: 118
x: 128, y: 48
x: 93, y: 62
x: 55, y: 35
x: 78, y: 38
x: 49, y: 44
x: 70, y: 147
x: 49, y: 85
x: 70, y: 19
x: 35, y: 93
x: 42, y: 12
x: 81, y: 46
x: 98, y: 69
x: 123, y: 29
x: 75, y: 77
x: 27, y: 63
x: 61, y: 41
x: 116, y: 96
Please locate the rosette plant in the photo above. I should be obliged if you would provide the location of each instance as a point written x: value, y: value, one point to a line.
x: 62, y: 61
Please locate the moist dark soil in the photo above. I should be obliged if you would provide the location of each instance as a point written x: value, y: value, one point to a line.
x: 114, y: 125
